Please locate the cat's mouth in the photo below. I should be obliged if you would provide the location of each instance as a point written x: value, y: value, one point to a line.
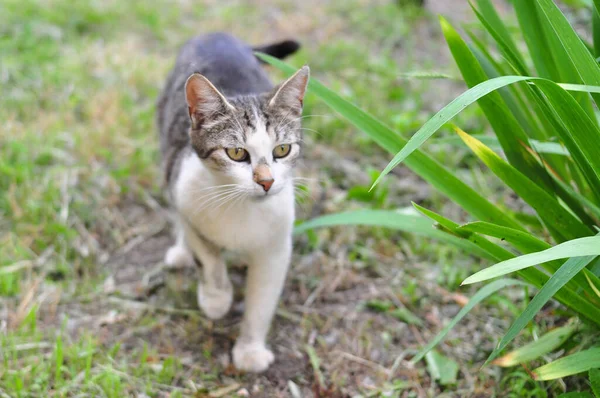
x: 260, y: 197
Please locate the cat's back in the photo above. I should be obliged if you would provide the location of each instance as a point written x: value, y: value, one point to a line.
x: 227, y: 62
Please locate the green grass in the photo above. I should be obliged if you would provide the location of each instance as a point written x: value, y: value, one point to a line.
x: 78, y: 147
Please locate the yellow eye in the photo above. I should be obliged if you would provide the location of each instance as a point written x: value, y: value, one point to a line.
x: 237, y: 154
x: 281, y: 151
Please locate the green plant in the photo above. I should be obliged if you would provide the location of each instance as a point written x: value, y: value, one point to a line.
x: 541, y: 108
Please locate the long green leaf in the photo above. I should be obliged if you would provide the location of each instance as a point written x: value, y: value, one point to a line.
x: 564, y: 274
x: 545, y: 205
x: 479, y: 91
x: 588, y: 246
x: 490, y: 19
x: 421, y: 164
x: 389, y: 219
x: 594, y: 375
x: 481, y: 294
x: 503, y: 121
x: 552, y: 148
x: 545, y: 344
x: 529, y: 21
x: 569, y: 365
x: 495, y: 252
x: 522, y: 240
x: 574, y: 60
x: 583, y: 62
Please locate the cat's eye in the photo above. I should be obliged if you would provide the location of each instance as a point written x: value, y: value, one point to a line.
x: 281, y: 151
x: 237, y: 154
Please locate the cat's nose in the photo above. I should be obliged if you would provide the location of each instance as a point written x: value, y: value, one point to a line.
x: 262, y: 176
x: 266, y: 184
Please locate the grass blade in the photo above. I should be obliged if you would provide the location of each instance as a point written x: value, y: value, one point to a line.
x: 560, y: 278
x: 482, y: 89
x: 389, y: 219
x: 521, y: 240
x: 545, y: 344
x: 569, y: 365
x: 546, y: 205
x: 588, y: 246
x: 481, y: 294
x: 594, y: 376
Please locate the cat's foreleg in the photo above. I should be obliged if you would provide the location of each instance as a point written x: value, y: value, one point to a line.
x: 215, y: 292
x: 266, y: 275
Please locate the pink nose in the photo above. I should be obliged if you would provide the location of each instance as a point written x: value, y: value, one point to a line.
x: 266, y: 184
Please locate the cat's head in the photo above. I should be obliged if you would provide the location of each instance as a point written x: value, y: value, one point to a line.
x: 251, y: 141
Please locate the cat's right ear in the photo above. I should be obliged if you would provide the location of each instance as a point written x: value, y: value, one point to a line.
x: 203, y: 99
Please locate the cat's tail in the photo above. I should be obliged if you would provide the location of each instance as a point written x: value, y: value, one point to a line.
x: 279, y: 50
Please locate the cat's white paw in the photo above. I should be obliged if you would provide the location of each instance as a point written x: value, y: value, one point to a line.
x: 252, y: 357
x: 215, y: 302
x: 179, y: 256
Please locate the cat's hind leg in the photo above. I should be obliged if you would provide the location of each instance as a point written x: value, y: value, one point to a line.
x: 179, y: 255
x: 215, y: 292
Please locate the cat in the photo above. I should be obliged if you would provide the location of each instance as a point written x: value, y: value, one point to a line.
x: 229, y: 142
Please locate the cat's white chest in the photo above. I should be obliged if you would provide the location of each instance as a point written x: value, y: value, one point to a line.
x: 239, y: 225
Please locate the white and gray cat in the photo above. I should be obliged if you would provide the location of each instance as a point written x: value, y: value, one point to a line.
x: 229, y: 142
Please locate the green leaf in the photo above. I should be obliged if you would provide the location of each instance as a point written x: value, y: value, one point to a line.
x: 522, y: 240
x: 549, y: 209
x: 490, y: 19
x: 569, y: 365
x: 583, y: 141
x: 594, y: 375
x: 389, y: 219
x: 551, y: 148
x: 527, y: 14
x: 562, y: 43
x: 505, y: 125
x: 495, y: 252
x: 588, y: 246
x: 583, y: 62
x: 545, y: 344
x: 431, y: 171
x: 592, y: 285
x: 481, y: 294
x: 576, y: 394
x: 441, y: 368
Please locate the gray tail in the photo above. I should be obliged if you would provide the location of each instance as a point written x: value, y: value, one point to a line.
x: 279, y: 50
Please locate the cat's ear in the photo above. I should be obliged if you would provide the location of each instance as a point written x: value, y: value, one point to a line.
x: 290, y: 94
x: 203, y: 100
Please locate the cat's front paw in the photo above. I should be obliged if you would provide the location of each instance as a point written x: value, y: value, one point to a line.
x: 252, y: 357
x: 215, y: 302
x: 179, y: 256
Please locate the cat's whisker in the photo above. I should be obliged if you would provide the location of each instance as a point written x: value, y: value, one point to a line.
x: 208, y: 195
x: 296, y: 119
x: 313, y: 130
x: 196, y: 190
x: 311, y: 179
x: 211, y: 199
x: 225, y: 200
x: 239, y: 199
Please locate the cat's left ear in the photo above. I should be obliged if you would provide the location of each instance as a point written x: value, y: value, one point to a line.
x: 290, y: 94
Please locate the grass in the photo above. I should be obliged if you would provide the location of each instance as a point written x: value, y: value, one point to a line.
x: 81, y: 223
